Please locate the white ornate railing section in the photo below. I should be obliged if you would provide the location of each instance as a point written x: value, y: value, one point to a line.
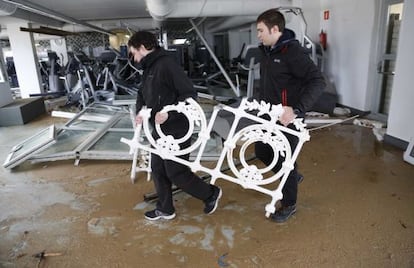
x: 262, y: 130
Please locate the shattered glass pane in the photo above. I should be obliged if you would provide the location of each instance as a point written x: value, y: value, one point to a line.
x: 23, y: 150
x: 66, y: 141
x: 111, y: 141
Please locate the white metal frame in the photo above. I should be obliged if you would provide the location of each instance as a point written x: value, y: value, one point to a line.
x: 105, y: 118
x: 263, y: 130
x: 34, y: 144
x: 409, y: 152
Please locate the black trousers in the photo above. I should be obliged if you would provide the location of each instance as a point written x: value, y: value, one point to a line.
x: 167, y: 172
x: 265, y: 153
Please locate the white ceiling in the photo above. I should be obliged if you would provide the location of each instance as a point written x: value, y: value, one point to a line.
x: 97, y: 9
x: 111, y: 15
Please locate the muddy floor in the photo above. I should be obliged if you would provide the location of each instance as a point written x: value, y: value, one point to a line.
x: 355, y: 209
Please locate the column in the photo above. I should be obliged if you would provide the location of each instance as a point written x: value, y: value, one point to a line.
x: 25, y: 59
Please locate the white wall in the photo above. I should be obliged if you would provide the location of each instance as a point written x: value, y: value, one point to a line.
x: 349, y: 33
x: 352, y: 31
x: 400, y: 118
x: 236, y: 40
x: 311, y: 11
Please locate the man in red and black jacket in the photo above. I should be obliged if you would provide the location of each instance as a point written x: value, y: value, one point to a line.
x: 287, y: 76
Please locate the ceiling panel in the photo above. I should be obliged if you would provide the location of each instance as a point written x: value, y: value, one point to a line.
x: 97, y: 9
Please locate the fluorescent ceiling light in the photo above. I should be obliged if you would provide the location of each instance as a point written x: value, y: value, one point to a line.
x: 179, y: 41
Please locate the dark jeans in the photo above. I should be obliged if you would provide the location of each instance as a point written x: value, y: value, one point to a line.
x: 167, y: 172
x: 265, y: 153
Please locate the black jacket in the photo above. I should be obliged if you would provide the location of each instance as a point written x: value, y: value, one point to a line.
x: 288, y: 75
x: 164, y: 82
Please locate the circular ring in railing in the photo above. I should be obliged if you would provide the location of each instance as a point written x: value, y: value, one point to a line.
x: 196, y: 118
x: 267, y: 134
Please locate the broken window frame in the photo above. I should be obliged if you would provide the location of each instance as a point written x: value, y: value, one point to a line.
x: 36, y: 143
x: 93, y: 127
x: 105, y: 117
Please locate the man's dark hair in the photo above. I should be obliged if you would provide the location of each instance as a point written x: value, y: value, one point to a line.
x: 147, y: 39
x: 272, y: 17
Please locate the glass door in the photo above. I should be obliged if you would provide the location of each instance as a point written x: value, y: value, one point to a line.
x: 391, y: 17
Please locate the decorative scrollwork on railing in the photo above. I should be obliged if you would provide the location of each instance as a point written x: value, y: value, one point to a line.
x: 259, y: 133
x: 263, y: 129
x: 166, y: 144
x: 263, y: 108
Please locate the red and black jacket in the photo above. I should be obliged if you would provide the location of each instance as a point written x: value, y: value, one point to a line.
x: 288, y: 75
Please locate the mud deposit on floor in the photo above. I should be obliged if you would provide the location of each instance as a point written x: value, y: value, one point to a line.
x: 355, y: 209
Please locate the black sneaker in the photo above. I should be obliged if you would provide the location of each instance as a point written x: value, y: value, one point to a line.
x: 283, y: 213
x: 155, y: 214
x: 212, y: 202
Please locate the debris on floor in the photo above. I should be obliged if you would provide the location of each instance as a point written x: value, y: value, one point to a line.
x: 377, y: 127
x: 317, y: 123
x: 317, y: 115
x: 318, y: 119
x: 43, y: 254
x: 221, y: 260
x: 341, y: 111
x: 379, y: 133
x: 368, y: 123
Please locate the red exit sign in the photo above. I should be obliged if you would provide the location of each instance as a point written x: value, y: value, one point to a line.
x: 326, y: 15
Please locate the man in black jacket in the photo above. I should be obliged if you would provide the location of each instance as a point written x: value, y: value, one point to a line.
x: 164, y: 83
x: 287, y: 76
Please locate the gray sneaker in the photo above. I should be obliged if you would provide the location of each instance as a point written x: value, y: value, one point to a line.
x: 154, y: 215
x: 212, y: 202
x: 283, y: 214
